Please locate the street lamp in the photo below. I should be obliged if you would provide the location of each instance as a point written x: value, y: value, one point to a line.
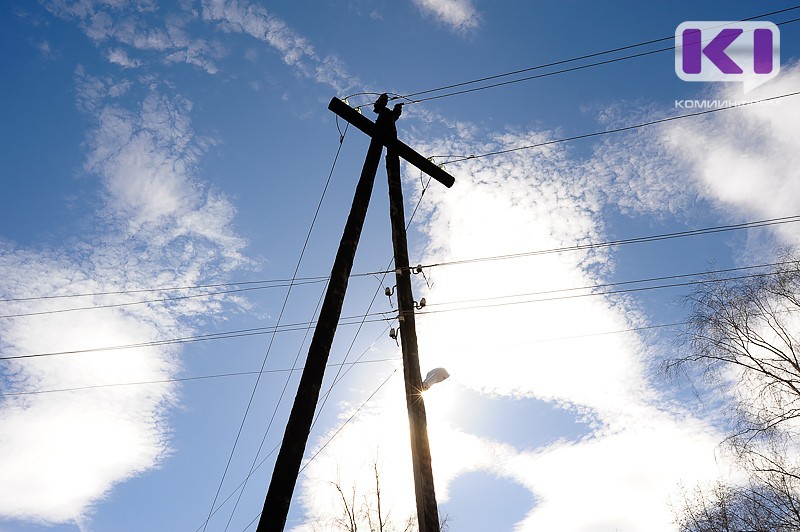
x: 434, y: 376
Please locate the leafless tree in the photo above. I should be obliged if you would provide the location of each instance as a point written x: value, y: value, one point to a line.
x: 745, y: 335
x: 365, y: 511
x: 753, y: 507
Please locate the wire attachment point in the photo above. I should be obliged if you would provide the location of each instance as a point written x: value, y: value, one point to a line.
x: 418, y: 269
x: 389, y: 292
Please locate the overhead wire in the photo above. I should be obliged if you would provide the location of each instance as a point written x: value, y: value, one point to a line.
x: 737, y: 105
x: 579, y: 247
x: 578, y: 296
x: 276, y: 447
x: 626, y: 241
x: 381, y: 316
x: 257, y: 332
x: 280, y: 316
x: 275, y: 410
x: 160, y: 289
x: 224, y: 335
x: 271, y: 283
x: 357, y: 362
x: 707, y: 274
x: 410, y: 97
x: 161, y: 300
x: 341, y: 427
x: 181, y: 379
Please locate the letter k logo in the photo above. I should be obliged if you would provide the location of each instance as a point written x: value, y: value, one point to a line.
x: 745, y: 51
x: 715, y: 51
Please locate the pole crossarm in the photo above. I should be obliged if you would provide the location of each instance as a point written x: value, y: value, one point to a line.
x: 369, y: 127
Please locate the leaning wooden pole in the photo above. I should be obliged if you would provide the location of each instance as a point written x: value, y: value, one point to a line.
x: 287, y: 465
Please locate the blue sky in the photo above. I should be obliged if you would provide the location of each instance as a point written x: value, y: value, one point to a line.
x: 157, y: 153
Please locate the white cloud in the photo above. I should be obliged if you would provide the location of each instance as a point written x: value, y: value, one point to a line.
x: 120, y: 57
x: 742, y: 161
x: 158, y: 225
x: 44, y: 49
x: 62, y: 452
x: 147, y: 160
x: 746, y: 160
x: 296, y: 51
x: 137, y: 26
x: 459, y: 14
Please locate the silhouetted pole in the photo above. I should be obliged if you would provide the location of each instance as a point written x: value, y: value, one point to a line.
x: 427, y: 510
x: 287, y: 465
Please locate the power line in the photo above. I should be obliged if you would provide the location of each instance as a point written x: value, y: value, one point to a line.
x: 275, y: 410
x: 343, y: 425
x: 162, y: 289
x: 270, y: 282
x: 183, y: 379
x: 280, y: 317
x: 411, y: 96
x: 615, y: 130
x: 275, y: 448
x: 147, y: 301
x: 638, y: 281
x: 634, y: 240
x: 312, y: 280
x: 381, y: 316
x: 590, y: 294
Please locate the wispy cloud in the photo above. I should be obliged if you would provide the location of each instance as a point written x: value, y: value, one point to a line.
x: 458, y: 14
x: 746, y: 160
x: 157, y: 224
x: 742, y: 161
x: 240, y: 16
x: 120, y: 57
x: 142, y: 26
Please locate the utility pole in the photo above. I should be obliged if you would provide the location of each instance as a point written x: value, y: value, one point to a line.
x: 295, y: 438
x: 287, y: 466
x: 427, y: 510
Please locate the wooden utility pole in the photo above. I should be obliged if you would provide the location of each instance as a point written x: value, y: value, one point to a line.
x: 287, y: 465
x: 295, y: 438
x: 427, y: 510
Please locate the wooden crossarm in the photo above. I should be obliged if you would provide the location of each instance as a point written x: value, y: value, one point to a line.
x: 369, y: 127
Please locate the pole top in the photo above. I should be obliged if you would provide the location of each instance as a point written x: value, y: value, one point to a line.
x: 391, y: 142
